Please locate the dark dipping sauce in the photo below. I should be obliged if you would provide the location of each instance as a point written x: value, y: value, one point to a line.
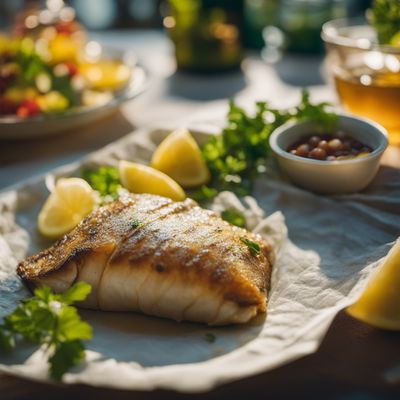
x: 329, y: 147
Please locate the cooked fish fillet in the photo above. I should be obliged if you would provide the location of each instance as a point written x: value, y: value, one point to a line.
x: 181, y: 262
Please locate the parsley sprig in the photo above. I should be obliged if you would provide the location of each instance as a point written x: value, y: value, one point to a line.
x: 50, y: 319
x: 254, y: 247
x: 234, y: 217
x: 237, y: 156
x: 210, y: 337
x: 105, y: 180
x: 135, y: 223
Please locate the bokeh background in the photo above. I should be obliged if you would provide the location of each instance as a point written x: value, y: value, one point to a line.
x: 299, y: 20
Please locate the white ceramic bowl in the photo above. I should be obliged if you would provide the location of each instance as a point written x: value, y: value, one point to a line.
x: 13, y: 127
x: 330, y: 177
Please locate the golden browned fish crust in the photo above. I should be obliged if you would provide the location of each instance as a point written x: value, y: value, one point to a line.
x: 173, y: 259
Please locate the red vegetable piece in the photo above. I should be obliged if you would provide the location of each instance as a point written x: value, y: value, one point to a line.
x: 72, y: 68
x: 7, y: 107
x: 28, y: 108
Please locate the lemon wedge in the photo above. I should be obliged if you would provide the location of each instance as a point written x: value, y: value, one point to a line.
x: 138, y: 178
x: 71, y: 201
x: 179, y: 156
x: 379, y: 304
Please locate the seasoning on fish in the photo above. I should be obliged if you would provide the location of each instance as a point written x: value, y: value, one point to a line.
x: 181, y: 262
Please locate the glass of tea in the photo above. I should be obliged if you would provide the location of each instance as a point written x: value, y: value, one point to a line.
x: 366, y: 74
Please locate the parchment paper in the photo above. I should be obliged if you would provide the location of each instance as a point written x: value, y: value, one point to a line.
x: 334, y: 244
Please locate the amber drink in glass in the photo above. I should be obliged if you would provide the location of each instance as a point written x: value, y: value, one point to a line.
x: 366, y: 75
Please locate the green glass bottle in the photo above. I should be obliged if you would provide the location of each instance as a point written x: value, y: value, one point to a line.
x: 257, y: 15
x: 207, y: 34
x: 301, y: 20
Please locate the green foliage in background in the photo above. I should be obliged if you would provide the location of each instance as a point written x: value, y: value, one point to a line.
x: 385, y: 17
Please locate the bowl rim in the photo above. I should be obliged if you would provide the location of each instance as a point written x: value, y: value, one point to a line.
x: 379, y: 130
x: 340, y: 40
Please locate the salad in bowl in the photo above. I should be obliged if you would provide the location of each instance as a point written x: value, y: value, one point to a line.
x: 50, y: 70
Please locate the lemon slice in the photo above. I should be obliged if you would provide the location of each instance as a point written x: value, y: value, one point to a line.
x: 64, y: 47
x: 106, y: 74
x: 379, y: 305
x: 52, y: 102
x: 71, y: 200
x: 179, y: 156
x: 138, y: 178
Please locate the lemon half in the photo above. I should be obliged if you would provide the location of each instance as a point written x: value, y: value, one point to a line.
x: 179, y: 156
x: 379, y: 304
x: 71, y: 201
x: 138, y: 178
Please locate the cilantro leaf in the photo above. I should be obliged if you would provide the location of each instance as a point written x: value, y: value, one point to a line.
x: 49, y: 319
x: 234, y: 217
x: 104, y: 180
x: 318, y: 113
x: 203, y: 194
x: 31, y: 319
x: 253, y: 246
x: 210, y: 337
x: 65, y: 356
x: 70, y: 327
x: 7, y: 342
x: 44, y: 293
x: 135, y: 223
x: 77, y: 292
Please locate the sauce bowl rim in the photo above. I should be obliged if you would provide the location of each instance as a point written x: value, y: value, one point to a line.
x: 378, y: 130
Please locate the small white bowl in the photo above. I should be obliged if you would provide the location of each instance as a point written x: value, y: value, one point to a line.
x: 330, y: 177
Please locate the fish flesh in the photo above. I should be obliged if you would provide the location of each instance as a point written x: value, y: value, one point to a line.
x: 149, y: 254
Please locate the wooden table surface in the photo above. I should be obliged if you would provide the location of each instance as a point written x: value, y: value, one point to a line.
x: 355, y: 361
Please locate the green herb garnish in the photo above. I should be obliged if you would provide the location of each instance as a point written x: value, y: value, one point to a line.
x: 237, y: 156
x: 318, y: 113
x: 253, y: 246
x: 210, y: 337
x: 384, y: 16
x: 49, y: 319
x: 31, y: 65
x: 135, y: 223
x: 104, y: 180
x: 234, y: 217
x: 203, y: 194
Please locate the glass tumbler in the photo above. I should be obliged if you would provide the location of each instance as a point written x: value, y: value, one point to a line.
x: 366, y: 74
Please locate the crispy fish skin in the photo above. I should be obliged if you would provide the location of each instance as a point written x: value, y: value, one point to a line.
x: 171, y: 259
